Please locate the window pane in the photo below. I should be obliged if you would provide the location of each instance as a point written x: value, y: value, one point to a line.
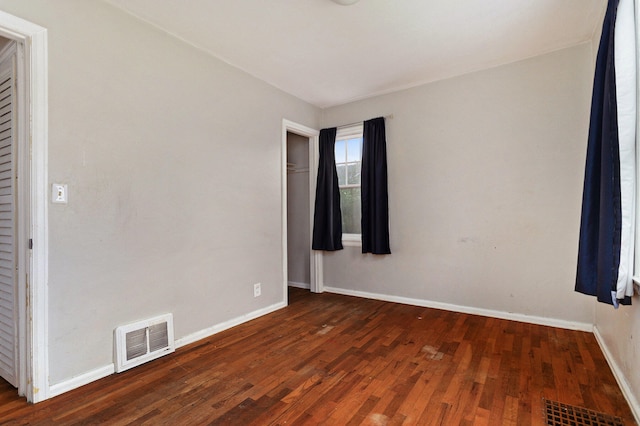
x: 354, y: 147
x: 340, y: 150
x: 351, y: 214
x: 353, y: 173
x: 342, y: 174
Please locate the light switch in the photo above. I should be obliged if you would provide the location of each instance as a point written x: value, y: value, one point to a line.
x: 59, y: 193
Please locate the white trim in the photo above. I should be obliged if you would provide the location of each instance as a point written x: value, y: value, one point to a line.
x: 296, y: 284
x: 315, y: 258
x: 81, y: 380
x: 24, y: 221
x: 634, y: 404
x: 214, y: 329
x: 33, y: 73
x: 352, y: 240
x: 570, y: 325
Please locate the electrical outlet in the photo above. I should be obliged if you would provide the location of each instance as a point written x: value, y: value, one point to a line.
x: 257, y: 291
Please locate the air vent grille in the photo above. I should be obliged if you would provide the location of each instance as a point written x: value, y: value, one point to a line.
x: 559, y: 414
x: 143, y: 341
x: 136, y: 343
x: 158, y: 337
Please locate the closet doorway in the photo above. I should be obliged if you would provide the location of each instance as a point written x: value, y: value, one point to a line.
x: 298, y: 212
x: 302, y: 267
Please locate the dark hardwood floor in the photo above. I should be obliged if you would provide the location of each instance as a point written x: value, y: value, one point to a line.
x: 338, y: 360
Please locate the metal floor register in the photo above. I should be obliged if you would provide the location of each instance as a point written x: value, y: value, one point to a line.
x: 559, y: 414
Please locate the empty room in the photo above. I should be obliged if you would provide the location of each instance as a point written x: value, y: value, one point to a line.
x: 319, y: 212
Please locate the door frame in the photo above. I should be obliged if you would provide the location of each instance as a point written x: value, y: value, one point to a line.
x: 315, y: 259
x: 32, y: 198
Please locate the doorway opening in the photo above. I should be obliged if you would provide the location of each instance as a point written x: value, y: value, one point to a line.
x: 298, y: 212
x: 301, y: 266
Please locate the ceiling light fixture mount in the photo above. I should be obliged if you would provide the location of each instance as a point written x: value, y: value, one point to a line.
x: 345, y: 2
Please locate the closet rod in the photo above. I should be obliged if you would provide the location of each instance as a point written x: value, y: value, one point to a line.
x: 386, y: 117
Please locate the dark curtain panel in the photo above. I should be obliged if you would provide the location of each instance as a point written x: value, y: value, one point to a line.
x: 600, y: 226
x: 375, y: 199
x: 327, y: 218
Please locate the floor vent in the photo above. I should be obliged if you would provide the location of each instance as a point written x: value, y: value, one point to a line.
x: 143, y: 341
x: 558, y: 414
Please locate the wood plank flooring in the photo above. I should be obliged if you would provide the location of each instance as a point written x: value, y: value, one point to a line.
x: 336, y: 360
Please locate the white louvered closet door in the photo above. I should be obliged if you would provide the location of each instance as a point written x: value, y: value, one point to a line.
x: 8, y: 264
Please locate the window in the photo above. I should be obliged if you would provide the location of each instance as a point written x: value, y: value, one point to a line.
x: 348, y: 150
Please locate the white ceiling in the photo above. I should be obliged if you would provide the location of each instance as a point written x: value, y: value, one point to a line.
x: 328, y: 54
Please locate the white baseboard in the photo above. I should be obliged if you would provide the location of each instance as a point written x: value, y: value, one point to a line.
x: 570, y: 325
x: 107, y: 370
x: 619, y: 375
x: 81, y: 380
x: 306, y: 286
x: 207, y: 332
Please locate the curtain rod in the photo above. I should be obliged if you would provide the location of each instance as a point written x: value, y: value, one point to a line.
x: 386, y: 117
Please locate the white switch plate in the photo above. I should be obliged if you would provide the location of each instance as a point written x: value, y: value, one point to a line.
x: 59, y: 193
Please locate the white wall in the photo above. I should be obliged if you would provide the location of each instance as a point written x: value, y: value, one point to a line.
x: 173, y: 164
x: 619, y: 333
x: 485, y: 186
x: 298, y: 211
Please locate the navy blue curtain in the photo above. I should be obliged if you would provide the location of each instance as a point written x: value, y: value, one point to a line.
x: 327, y: 217
x: 375, y: 198
x: 600, y: 226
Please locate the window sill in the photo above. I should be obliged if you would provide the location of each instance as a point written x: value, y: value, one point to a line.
x: 352, y: 240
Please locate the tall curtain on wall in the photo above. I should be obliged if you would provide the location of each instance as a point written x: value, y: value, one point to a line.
x: 375, y: 199
x: 607, y: 231
x: 327, y: 217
